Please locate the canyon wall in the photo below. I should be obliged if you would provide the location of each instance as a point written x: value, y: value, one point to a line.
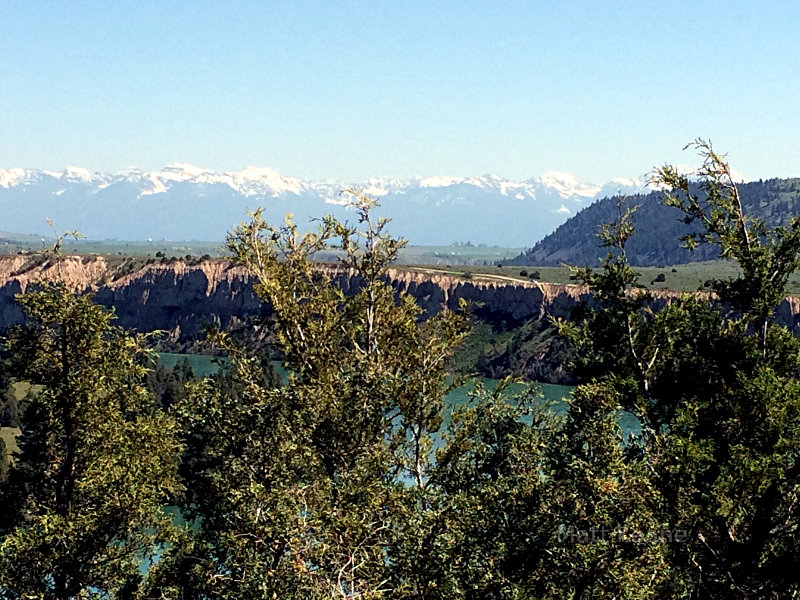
x: 176, y: 297
x: 183, y: 298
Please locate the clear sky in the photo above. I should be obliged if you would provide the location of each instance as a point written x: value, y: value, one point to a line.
x: 349, y: 90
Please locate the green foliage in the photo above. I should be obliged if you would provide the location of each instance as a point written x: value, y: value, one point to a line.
x: 304, y: 488
x: 9, y: 404
x: 343, y: 482
x: 623, y: 322
x: 483, y: 340
x: 4, y: 460
x: 477, y: 528
x: 532, y: 351
x: 767, y: 256
x: 168, y: 386
x: 718, y: 398
x: 83, y: 501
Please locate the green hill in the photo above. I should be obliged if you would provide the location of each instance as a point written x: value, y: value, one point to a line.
x: 658, y: 228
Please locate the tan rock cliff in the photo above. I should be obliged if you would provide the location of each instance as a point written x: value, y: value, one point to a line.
x: 183, y: 298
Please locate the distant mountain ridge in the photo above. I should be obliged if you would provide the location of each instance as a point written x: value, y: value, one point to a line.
x: 184, y: 202
x: 658, y: 228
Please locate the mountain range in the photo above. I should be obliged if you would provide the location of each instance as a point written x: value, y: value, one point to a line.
x: 184, y: 202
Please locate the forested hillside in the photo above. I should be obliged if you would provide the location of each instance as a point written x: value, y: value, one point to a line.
x: 658, y: 228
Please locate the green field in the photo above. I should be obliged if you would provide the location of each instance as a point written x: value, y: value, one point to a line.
x: 457, y: 254
x: 12, y: 245
x: 680, y: 278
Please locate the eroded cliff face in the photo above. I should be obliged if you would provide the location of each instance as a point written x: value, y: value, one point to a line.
x: 176, y: 297
x: 183, y: 298
x: 512, y: 301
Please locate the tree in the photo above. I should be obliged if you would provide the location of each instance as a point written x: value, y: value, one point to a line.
x: 731, y: 461
x: 305, y: 488
x: 3, y: 460
x: 767, y: 256
x: 603, y: 494
x: 168, y: 385
x: 714, y: 385
x: 349, y: 480
x: 98, y: 461
x: 477, y: 527
x: 9, y: 406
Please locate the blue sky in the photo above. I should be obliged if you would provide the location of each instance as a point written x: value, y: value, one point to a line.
x: 348, y: 90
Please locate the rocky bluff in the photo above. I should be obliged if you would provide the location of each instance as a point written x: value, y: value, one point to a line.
x: 183, y: 298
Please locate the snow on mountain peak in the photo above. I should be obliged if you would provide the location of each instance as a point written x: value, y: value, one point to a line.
x: 183, y: 171
x: 626, y: 181
x: 559, y: 177
x: 567, y: 185
x: 739, y: 177
x: 77, y: 174
x: 261, y: 180
x: 249, y: 182
x: 504, y: 186
x: 440, y: 181
x: 375, y: 189
x: 427, y: 209
x: 258, y: 173
x: 11, y: 177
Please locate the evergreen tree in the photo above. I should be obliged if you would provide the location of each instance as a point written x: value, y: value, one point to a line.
x: 168, y: 385
x: 9, y: 409
x: 82, y: 505
x: 4, y: 462
x: 714, y: 384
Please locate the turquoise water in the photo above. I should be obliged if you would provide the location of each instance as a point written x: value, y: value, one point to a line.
x: 549, y: 392
x: 203, y: 366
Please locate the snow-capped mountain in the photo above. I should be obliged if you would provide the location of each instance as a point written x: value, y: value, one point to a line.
x: 182, y: 201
